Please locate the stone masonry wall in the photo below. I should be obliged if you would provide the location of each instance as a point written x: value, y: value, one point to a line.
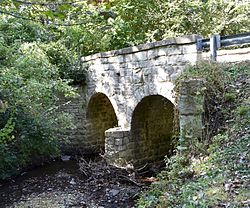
x: 100, y: 117
x: 72, y: 140
x: 126, y: 78
x: 152, y: 129
x: 128, y: 75
x: 191, y: 108
x: 139, y: 83
x: 118, y: 147
x: 129, y: 79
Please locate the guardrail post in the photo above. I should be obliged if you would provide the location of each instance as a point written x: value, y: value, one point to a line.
x: 213, y: 48
x: 214, y: 45
x: 216, y: 41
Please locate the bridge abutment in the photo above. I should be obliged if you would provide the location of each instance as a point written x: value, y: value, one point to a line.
x: 191, y: 109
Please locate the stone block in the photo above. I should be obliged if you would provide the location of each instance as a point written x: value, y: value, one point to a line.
x: 189, y: 104
x: 191, y: 126
x: 161, y: 61
x: 174, y: 50
x: 192, y: 87
x: 191, y: 58
x: 110, y: 140
x: 126, y: 72
x: 189, y: 48
x: 128, y: 58
x: 121, y: 148
x: 145, y: 64
x: 152, y: 54
x: 175, y: 59
x: 137, y: 77
x: 126, y: 140
x: 103, y: 60
x: 140, y: 56
x: 119, y: 141
x: 117, y: 59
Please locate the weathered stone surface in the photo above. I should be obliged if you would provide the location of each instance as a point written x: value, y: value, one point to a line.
x: 119, y: 147
x: 188, y: 39
x: 191, y: 126
x: 118, y: 83
x: 191, y: 108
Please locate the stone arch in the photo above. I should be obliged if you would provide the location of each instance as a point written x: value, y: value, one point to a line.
x: 152, y: 128
x: 165, y: 90
x: 100, y: 117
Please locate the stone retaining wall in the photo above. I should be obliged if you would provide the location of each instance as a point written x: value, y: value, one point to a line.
x: 191, y: 108
x: 72, y: 140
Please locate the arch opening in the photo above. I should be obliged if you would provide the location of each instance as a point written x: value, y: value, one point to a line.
x: 152, y: 128
x: 100, y: 116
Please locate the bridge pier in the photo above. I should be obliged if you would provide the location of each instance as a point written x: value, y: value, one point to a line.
x: 118, y: 146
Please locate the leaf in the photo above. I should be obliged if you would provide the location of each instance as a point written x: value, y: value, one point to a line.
x: 59, y: 15
x: 49, y: 13
x: 65, y: 7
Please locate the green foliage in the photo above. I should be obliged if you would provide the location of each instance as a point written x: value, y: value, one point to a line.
x: 8, y: 161
x: 243, y: 110
x: 230, y: 96
x: 17, y: 31
x: 41, y: 46
x: 211, y: 72
x: 30, y: 83
x: 150, y: 199
x: 87, y: 27
x: 162, y: 19
x: 6, y: 133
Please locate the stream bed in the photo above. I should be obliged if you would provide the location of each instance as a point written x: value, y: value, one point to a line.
x: 71, y: 184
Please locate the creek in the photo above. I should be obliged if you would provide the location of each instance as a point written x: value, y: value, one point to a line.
x: 63, y: 185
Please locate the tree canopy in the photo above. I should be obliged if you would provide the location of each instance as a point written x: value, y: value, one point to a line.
x: 41, y: 43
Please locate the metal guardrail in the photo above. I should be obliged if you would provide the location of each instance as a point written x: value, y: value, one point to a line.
x: 217, y: 41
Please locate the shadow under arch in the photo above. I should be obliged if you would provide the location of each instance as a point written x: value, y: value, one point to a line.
x: 100, y: 117
x: 152, y: 128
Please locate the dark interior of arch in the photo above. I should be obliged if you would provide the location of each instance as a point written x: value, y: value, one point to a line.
x: 101, y: 116
x: 152, y: 128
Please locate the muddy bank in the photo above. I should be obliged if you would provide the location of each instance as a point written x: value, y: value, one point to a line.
x: 73, y: 184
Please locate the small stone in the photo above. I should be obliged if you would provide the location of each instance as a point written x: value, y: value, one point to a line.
x: 65, y: 158
x: 114, y: 192
x: 227, y: 187
x: 72, y: 182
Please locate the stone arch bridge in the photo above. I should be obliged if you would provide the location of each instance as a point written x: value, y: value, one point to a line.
x: 129, y: 107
